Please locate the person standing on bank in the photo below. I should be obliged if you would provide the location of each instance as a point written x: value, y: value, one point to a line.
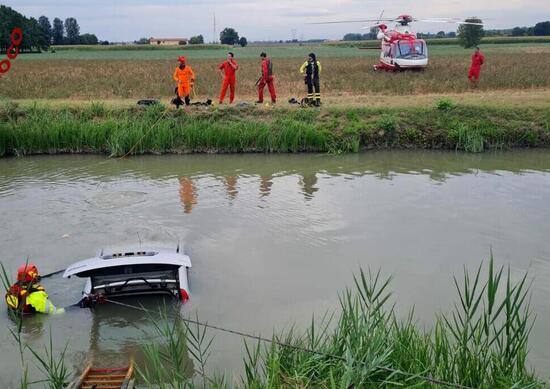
x: 475, y: 69
x: 228, y: 69
x: 312, y: 69
x: 266, y: 79
x: 185, y: 77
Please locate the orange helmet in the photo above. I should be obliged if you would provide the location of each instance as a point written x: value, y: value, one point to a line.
x: 27, y: 273
x: 181, y: 59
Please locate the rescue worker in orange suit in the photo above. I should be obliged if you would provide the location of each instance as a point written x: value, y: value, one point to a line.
x: 266, y: 79
x: 312, y: 69
x: 186, y: 78
x: 27, y: 295
x: 228, y: 69
x: 477, y: 61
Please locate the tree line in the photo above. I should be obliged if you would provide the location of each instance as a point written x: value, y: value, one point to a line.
x: 228, y: 36
x: 539, y: 29
x: 40, y: 34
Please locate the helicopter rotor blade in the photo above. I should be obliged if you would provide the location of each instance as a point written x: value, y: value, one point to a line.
x: 450, y: 21
x: 354, y: 21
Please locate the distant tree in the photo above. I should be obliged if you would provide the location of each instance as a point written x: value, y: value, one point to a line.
x: 142, y: 41
x: 72, y: 30
x: 530, y: 31
x: 440, y: 34
x: 88, y: 39
x: 243, y: 41
x: 353, y: 37
x: 33, y: 37
x: 196, y: 40
x: 373, y: 33
x: 46, y: 28
x: 542, y: 29
x: 38, y: 40
x: 229, y: 36
x: 470, y: 35
x: 57, y: 32
x: 519, y: 31
x: 104, y: 43
x: 451, y: 34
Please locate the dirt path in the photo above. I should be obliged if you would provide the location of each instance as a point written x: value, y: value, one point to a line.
x: 527, y: 98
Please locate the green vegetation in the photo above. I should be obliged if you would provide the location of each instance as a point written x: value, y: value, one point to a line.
x: 118, y: 131
x: 481, y: 343
x: 53, y: 367
x: 140, y: 47
x: 470, y: 35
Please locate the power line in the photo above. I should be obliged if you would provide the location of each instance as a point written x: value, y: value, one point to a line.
x: 431, y: 380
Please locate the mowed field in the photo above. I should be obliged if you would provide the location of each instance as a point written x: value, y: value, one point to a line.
x: 132, y: 74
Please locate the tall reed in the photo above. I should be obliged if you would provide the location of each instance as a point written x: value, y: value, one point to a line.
x: 159, y: 129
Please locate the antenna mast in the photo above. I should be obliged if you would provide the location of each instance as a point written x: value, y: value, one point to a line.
x: 214, y: 40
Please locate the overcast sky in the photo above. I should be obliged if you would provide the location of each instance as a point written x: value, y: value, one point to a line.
x: 127, y: 20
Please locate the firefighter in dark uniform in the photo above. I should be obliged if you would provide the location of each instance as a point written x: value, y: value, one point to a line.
x: 312, y: 69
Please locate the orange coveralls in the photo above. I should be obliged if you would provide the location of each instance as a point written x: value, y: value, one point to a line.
x: 229, y: 80
x: 184, y: 77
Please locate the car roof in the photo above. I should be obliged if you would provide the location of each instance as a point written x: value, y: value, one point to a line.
x: 126, y: 258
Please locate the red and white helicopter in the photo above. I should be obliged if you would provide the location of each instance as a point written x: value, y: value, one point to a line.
x: 401, y: 49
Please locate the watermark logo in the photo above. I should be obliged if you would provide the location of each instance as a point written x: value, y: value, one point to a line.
x: 13, y: 51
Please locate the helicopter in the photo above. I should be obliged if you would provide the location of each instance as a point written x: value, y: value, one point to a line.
x: 400, y: 48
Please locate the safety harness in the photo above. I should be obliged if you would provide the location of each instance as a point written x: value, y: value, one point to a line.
x: 16, y: 297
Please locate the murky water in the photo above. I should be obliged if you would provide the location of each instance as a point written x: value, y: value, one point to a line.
x: 273, y: 239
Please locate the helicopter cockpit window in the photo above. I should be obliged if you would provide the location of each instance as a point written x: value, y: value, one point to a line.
x: 412, y: 50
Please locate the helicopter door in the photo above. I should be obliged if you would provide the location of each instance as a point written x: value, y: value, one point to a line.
x: 387, y: 49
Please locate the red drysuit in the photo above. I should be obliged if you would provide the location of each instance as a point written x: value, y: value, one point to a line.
x: 229, y: 80
x: 477, y: 61
x: 267, y: 79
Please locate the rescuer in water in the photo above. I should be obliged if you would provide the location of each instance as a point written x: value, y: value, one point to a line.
x: 185, y: 77
x: 27, y: 295
x: 266, y: 79
x: 477, y: 60
x: 312, y: 69
x: 228, y: 69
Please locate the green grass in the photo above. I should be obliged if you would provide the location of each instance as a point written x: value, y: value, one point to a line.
x: 138, y: 47
x: 481, y: 343
x: 326, y: 50
x: 157, y: 130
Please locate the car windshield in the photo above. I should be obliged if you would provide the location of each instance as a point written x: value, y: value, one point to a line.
x: 411, y: 49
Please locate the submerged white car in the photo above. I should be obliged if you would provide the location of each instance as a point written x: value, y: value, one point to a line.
x: 133, y: 273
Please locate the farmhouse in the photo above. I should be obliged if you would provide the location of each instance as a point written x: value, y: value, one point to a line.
x: 168, y: 41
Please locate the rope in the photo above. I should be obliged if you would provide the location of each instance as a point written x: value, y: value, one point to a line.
x: 431, y: 380
x: 52, y: 274
x: 144, y: 134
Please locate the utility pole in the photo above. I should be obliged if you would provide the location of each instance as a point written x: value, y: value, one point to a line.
x: 214, y: 40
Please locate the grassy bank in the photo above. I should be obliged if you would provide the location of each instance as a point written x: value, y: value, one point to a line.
x: 118, y: 131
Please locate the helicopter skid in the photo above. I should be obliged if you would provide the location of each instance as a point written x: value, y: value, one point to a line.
x: 398, y: 67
